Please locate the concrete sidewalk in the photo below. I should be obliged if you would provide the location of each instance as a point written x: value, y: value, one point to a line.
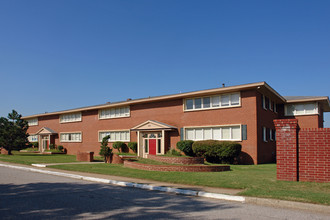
x: 200, y: 191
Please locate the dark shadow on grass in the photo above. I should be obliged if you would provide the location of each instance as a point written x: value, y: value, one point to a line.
x: 98, y: 201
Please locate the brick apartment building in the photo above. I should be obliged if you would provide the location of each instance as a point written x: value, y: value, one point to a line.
x: 242, y: 113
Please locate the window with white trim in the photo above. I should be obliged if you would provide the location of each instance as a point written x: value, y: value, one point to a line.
x: 115, y: 135
x: 264, y: 134
x: 114, y: 112
x: 301, y: 109
x: 33, y: 138
x: 210, y: 102
x: 32, y: 121
x: 271, y: 134
x: 232, y: 133
x: 70, y: 137
x: 72, y: 117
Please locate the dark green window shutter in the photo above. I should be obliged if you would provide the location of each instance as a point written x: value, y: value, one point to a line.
x: 244, y: 132
x: 181, y: 134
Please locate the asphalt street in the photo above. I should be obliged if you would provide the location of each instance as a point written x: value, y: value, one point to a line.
x: 29, y: 195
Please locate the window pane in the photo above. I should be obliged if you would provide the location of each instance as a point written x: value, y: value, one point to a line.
x: 189, y: 104
x: 225, y: 100
x: 236, y: 133
x: 215, y: 101
x: 207, y: 134
x: 146, y: 146
x: 117, y: 136
x: 117, y: 112
x: 112, y: 113
x: 289, y: 109
x: 127, y: 111
x: 299, y: 109
x: 190, y: 134
x: 199, y: 134
x: 225, y: 133
x: 123, y: 136
x: 310, y: 108
x: 198, y: 103
x: 112, y: 136
x: 159, y: 146
x: 206, y: 102
x: 235, y: 99
x: 216, y: 133
x: 122, y: 111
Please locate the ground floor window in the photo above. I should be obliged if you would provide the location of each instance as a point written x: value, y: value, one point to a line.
x: 115, y: 136
x: 214, y: 133
x: 33, y: 138
x: 70, y: 137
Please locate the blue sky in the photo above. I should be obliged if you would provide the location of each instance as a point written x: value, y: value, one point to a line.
x: 63, y: 54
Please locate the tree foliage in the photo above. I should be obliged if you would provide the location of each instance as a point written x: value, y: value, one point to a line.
x: 13, y: 132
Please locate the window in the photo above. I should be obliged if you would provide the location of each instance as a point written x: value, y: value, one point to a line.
x: 214, y: 133
x: 115, y: 135
x: 33, y: 138
x: 270, y: 105
x: 114, y: 112
x: 72, y: 117
x: 209, y: 102
x: 70, y: 137
x: 266, y: 102
x: 264, y: 134
x: 32, y: 121
x: 271, y: 134
x: 301, y: 109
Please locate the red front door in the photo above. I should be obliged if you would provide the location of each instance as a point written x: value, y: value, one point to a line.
x: 152, y: 146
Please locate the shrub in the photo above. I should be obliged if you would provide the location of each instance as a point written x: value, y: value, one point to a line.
x: 51, y: 146
x: 105, y: 151
x: 132, y: 146
x: 35, y: 144
x: 60, y: 147
x: 217, y: 151
x: 186, y: 147
x: 119, y: 145
x: 173, y: 152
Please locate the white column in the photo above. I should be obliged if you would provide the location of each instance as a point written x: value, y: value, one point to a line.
x: 163, y: 142
x: 138, y: 143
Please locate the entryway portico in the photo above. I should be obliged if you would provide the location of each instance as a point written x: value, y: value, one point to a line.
x: 151, y: 137
x: 46, y: 136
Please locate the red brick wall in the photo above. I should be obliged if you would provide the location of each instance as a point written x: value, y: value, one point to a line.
x: 314, y: 154
x: 302, y: 155
x: 177, y: 160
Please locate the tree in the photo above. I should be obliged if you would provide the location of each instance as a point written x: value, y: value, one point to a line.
x: 105, y: 151
x: 13, y: 132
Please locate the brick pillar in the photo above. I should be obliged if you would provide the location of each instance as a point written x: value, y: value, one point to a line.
x: 286, y: 149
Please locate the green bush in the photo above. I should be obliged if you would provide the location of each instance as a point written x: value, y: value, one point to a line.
x: 186, y: 147
x: 60, y: 147
x: 105, y: 151
x: 35, y: 144
x: 51, y: 146
x: 173, y: 152
x: 119, y: 145
x: 217, y: 151
x: 132, y: 146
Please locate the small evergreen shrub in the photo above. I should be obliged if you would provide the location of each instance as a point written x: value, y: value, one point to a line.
x: 105, y: 151
x: 60, y: 147
x: 35, y: 144
x: 173, y: 152
x: 119, y: 145
x: 186, y: 147
x: 51, y: 146
x: 217, y: 151
x: 132, y: 146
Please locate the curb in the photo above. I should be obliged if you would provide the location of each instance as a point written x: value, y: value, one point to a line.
x: 131, y: 184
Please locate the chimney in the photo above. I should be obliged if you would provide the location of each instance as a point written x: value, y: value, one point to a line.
x: 223, y: 85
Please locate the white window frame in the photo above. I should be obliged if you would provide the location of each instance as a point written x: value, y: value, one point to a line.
x: 32, y: 121
x: 211, y: 127
x: 33, y: 135
x: 270, y: 105
x: 114, y: 131
x: 264, y: 133
x: 63, y: 117
x: 114, y: 109
x: 211, y: 102
x: 271, y: 134
x: 71, y: 141
x: 316, y: 109
x: 264, y: 102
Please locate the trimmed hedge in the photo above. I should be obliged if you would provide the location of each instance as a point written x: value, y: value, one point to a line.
x: 186, y: 147
x: 217, y: 151
x: 119, y: 145
x: 132, y: 146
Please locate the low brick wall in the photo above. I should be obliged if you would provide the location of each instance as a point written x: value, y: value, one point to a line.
x: 116, y: 159
x: 197, y: 168
x: 4, y: 151
x: 177, y: 160
x: 85, y: 156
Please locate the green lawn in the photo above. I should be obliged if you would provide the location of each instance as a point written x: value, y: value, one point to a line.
x: 256, y: 180
x: 30, y: 158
